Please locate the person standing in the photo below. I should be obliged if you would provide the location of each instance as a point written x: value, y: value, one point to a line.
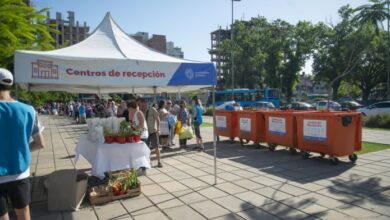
x: 21, y: 122
x: 172, y: 114
x: 82, y: 113
x: 197, y: 111
x: 122, y: 110
x: 77, y: 112
x: 112, y: 109
x: 184, y: 120
x: 137, y: 119
x: 153, y: 123
x: 164, y: 125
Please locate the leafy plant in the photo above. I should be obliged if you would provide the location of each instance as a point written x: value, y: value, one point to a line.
x: 124, y: 180
x: 377, y: 121
x: 106, y: 132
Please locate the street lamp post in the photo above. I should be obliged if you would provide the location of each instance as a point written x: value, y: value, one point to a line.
x: 232, y: 40
x: 388, y: 52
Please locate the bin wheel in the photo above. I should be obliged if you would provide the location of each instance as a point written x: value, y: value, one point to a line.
x: 322, y: 155
x: 334, y: 160
x: 232, y: 140
x: 241, y: 142
x: 293, y: 150
x: 217, y: 138
x: 305, y: 155
x: 353, y: 157
x: 272, y: 147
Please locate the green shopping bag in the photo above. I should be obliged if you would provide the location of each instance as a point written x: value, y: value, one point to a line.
x: 186, y: 133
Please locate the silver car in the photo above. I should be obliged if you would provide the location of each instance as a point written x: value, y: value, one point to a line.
x: 264, y: 106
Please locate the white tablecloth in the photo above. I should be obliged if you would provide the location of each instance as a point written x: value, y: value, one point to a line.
x: 111, y: 157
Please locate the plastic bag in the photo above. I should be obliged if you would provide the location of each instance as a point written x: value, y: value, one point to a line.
x: 186, y: 133
x: 178, y: 127
x: 172, y: 119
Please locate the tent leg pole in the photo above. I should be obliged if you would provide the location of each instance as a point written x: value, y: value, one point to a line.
x: 214, y: 140
x: 16, y: 92
x: 29, y: 94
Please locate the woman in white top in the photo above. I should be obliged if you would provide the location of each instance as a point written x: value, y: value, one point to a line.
x: 164, y: 126
x: 137, y: 119
x: 112, y: 109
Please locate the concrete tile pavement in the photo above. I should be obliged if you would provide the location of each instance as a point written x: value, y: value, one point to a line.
x: 253, y: 183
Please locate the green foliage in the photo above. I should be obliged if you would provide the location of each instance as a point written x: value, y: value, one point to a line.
x: 264, y: 52
x: 37, y: 99
x: 21, y: 27
x: 347, y: 89
x: 377, y: 121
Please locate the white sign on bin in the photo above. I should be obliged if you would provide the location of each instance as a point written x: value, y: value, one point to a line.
x: 314, y: 130
x: 245, y: 124
x: 221, y: 121
x: 277, y: 126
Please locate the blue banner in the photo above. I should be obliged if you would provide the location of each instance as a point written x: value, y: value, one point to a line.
x: 194, y: 74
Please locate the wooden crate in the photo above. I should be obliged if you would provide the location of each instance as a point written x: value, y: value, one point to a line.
x: 100, y: 198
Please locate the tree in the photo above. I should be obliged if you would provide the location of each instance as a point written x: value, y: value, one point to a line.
x: 339, y: 50
x: 375, y: 14
x: 372, y: 14
x: 266, y: 51
x: 371, y: 71
x: 21, y: 27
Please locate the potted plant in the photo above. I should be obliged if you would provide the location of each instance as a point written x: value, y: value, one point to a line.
x: 129, y: 136
x: 137, y: 135
x: 121, y: 137
x: 108, y: 137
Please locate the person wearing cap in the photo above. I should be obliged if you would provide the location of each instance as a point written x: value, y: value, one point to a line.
x: 21, y: 124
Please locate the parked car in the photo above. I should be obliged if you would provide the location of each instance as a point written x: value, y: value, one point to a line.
x: 264, y: 106
x: 350, y: 105
x: 377, y: 108
x: 299, y: 106
x: 323, y: 105
x: 224, y: 105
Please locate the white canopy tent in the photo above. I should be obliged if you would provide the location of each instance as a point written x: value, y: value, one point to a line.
x: 109, y: 61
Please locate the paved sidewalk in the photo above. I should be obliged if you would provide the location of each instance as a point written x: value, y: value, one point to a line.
x: 253, y: 183
x: 376, y: 136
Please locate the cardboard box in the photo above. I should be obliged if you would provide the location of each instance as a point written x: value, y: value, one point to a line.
x: 66, y: 190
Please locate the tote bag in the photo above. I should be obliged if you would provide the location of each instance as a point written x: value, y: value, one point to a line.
x: 164, y: 128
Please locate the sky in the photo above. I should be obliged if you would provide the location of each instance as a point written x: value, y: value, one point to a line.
x: 188, y: 23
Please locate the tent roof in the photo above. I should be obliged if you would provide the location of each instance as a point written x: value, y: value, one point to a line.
x: 109, y: 49
x: 109, y: 41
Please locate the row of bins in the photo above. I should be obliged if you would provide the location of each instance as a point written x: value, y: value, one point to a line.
x: 336, y: 134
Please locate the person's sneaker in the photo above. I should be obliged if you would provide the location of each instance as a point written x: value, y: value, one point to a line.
x: 159, y: 165
x: 200, y: 149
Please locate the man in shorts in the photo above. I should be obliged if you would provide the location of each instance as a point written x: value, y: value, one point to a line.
x: 153, y: 121
x: 19, y: 122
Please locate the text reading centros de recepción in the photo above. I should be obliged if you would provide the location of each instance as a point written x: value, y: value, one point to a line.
x: 114, y: 73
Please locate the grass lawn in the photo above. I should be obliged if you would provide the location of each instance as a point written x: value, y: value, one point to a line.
x: 380, y: 129
x: 206, y: 124
x: 372, y: 147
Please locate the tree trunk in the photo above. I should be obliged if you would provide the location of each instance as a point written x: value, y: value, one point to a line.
x: 335, y: 88
x: 365, y: 94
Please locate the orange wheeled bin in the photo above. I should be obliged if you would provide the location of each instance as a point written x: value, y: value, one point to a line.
x: 280, y: 129
x: 226, y: 124
x: 251, y: 126
x: 335, y: 134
